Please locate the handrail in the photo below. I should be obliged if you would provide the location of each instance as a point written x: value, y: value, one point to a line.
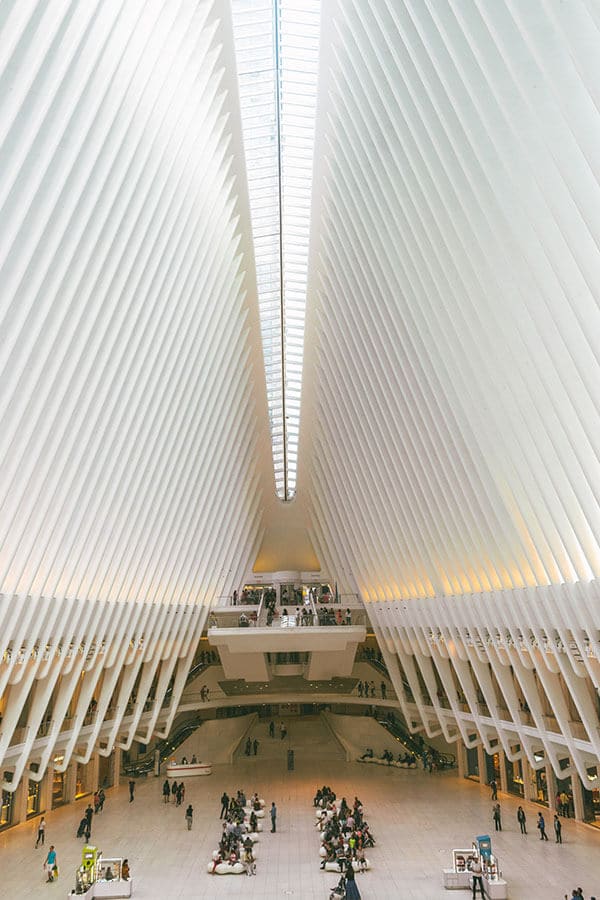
x: 145, y: 764
x: 445, y: 760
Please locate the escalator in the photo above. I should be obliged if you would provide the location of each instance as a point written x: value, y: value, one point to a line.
x: 416, y: 745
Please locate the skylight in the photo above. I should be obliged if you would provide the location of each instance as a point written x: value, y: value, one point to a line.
x: 277, y: 45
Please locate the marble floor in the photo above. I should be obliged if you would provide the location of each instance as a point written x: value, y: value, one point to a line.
x: 417, y: 819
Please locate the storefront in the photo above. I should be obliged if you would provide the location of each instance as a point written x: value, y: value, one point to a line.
x: 564, y: 792
x: 34, y: 794
x: 540, y: 784
x: 81, y: 784
x: 591, y: 797
x: 514, y: 775
x: 58, y: 785
x: 106, y: 771
x: 7, y: 806
x: 472, y: 760
x: 492, y: 768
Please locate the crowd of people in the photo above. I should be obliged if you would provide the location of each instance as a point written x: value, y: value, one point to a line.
x: 406, y: 760
x: 367, y: 689
x: 345, y: 836
x: 175, y: 790
x: 84, y: 829
x: 238, y: 831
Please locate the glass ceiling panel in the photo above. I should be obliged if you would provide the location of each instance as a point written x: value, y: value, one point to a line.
x: 277, y: 48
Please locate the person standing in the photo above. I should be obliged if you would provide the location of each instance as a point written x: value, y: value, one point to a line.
x: 51, y: 863
x: 522, y: 820
x: 166, y: 791
x: 494, y: 789
x: 557, y: 830
x: 224, y: 804
x: 383, y: 690
x: 542, y: 827
x: 131, y: 790
x: 273, y: 818
x: 189, y: 815
x: 41, y: 832
x: 255, y: 746
x: 477, y: 875
x: 352, y: 892
x: 497, y: 817
x: 272, y: 729
x: 89, y: 812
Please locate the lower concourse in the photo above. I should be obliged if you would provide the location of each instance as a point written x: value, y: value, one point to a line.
x: 417, y: 819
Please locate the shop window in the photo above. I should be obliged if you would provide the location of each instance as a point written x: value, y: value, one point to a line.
x: 591, y: 797
x: 472, y: 761
x: 492, y: 764
x: 33, y: 798
x: 514, y: 775
x: 58, y: 789
x: 7, y: 806
x: 81, y: 787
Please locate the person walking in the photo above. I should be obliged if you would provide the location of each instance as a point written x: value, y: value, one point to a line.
x: 273, y: 818
x: 224, y: 804
x: 189, y: 815
x: 542, y: 827
x: 131, y: 790
x: 271, y: 729
x: 497, y: 817
x: 102, y: 798
x: 383, y: 690
x: 558, y: 829
x: 51, y: 864
x: 494, y: 789
x: 477, y: 876
x: 522, y: 820
x: 166, y: 791
x: 255, y: 746
x: 41, y: 832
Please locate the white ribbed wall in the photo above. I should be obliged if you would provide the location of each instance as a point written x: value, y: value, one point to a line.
x: 450, y: 416
x: 451, y: 427
x: 134, y: 445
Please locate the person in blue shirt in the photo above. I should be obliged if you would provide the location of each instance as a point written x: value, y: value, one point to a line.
x: 51, y: 863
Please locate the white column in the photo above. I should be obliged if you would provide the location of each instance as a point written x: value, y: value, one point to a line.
x: 502, y: 767
x: 481, y: 764
x: 460, y: 759
x: 577, y: 791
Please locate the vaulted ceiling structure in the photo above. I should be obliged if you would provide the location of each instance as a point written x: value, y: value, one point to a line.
x: 422, y: 190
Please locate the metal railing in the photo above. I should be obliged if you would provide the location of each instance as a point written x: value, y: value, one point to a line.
x: 415, y: 745
x: 143, y: 765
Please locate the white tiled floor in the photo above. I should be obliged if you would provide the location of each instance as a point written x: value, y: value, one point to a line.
x: 417, y: 819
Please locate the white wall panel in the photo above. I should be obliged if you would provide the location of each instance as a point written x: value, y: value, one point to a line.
x: 449, y: 450
x: 133, y: 428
